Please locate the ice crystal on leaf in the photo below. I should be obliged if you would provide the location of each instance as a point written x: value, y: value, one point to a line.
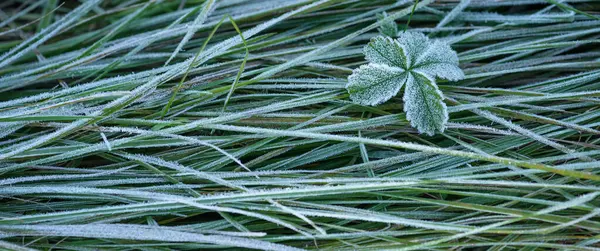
x: 413, y: 61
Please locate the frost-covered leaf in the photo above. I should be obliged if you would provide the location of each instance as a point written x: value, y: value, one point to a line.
x: 412, y: 60
x: 388, y: 28
x: 385, y: 50
x: 414, y: 44
x: 423, y: 104
x: 439, y: 60
x: 374, y: 84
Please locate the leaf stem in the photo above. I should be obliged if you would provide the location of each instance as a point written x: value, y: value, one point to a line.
x: 411, y: 14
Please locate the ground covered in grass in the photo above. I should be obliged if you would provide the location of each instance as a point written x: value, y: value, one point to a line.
x: 226, y: 124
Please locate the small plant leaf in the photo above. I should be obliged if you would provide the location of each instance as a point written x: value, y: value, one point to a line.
x: 374, y: 84
x: 414, y: 43
x: 387, y: 51
x: 413, y: 61
x: 389, y: 27
x: 439, y: 60
x: 424, y: 105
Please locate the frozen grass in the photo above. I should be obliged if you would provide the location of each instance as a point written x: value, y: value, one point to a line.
x: 161, y: 125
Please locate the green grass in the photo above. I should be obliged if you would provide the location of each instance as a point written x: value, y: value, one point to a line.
x: 225, y: 124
